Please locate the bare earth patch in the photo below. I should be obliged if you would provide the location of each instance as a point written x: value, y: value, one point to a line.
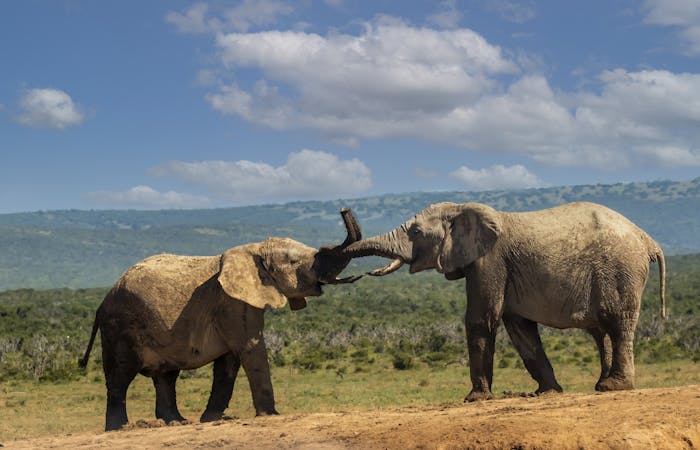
x: 662, y: 418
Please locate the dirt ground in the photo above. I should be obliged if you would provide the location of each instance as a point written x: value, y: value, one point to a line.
x: 663, y: 418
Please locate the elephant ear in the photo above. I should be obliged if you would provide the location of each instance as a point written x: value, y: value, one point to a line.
x: 469, y: 235
x: 243, y: 276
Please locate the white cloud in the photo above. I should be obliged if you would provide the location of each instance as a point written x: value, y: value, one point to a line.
x: 307, y: 174
x: 496, y: 177
x: 453, y: 87
x: 684, y: 14
x: 242, y: 17
x: 384, y: 82
x: 48, y: 108
x: 147, y: 197
x: 448, y: 16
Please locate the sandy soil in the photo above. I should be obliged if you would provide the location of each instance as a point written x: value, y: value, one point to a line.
x: 647, y: 418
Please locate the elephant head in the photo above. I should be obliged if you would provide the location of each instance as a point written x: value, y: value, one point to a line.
x: 280, y: 269
x: 445, y: 236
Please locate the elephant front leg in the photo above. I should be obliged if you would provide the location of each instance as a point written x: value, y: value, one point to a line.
x: 225, y: 372
x: 254, y: 361
x: 481, y: 342
x: 526, y: 338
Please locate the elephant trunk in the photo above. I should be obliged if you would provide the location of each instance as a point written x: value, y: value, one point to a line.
x: 394, y: 245
x: 330, y: 260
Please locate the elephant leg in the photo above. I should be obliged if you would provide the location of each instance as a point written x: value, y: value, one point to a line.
x: 166, y: 398
x: 254, y: 361
x: 484, y: 310
x: 604, y: 344
x: 481, y: 342
x: 621, y: 374
x: 526, y: 339
x: 120, y: 364
x: 225, y: 371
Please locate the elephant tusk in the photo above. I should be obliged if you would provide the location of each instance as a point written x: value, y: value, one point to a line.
x: 392, y: 267
x: 350, y: 279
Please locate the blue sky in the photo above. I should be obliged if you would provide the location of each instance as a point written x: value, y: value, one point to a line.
x: 184, y: 104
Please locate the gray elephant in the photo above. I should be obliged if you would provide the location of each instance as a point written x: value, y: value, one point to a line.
x: 577, y: 265
x: 169, y: 313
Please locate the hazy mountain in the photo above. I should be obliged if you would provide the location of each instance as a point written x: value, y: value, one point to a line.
x: 91, y: 248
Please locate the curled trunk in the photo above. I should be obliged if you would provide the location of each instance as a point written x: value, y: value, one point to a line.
x: 330, y: 260
x: 394, y: 245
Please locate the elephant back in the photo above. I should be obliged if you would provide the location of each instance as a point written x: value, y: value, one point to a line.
x: 166, y: 283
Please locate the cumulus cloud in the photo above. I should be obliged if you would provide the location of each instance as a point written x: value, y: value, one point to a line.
x: 147, y: 197
x: 306, y: 174
x: 684, y: 14
x: 496, y: 177
x: 48, y: 108
x: 453, y: 87
x: 383, y: 82
x: 245, y: 15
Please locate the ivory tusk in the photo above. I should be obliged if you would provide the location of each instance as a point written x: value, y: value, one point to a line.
x: 392, y: 267
x: 350, y: 279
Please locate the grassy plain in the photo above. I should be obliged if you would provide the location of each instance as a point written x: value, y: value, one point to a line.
x: 32, y: 409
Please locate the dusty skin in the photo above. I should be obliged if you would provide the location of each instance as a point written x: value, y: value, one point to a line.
x: 661, y: 418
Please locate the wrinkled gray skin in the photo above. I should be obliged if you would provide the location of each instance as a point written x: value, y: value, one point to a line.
x: 578, y: 265
x: 169, y: 313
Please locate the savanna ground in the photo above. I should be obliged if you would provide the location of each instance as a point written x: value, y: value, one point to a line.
x: 375, y: 408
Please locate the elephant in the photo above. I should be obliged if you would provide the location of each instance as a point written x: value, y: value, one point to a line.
x: 577, y: 265
x: 168, y: 313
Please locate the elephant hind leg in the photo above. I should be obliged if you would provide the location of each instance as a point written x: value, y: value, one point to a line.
x: 621, y: 328
x: 621, y: 374
x: 526, y: 338
x: 602, y: 340
x: 225, y: 371
x: 166, y: 398
x: 120, y: 364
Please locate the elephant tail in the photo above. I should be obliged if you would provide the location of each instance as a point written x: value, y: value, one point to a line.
x: 657, y: 255
x: 82, y: 363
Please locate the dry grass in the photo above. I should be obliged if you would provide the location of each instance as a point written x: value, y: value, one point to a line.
x: 30, y: 409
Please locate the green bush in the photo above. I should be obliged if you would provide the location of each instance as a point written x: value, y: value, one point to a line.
x: 402, y: 361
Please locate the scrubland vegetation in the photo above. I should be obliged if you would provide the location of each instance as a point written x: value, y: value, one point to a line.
x: 409, y: 321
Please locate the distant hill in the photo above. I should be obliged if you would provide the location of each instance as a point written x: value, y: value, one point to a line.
x: 75, y: 248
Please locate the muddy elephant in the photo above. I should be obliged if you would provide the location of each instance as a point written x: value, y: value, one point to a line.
x: 168, y: 313
x: 577, y: 265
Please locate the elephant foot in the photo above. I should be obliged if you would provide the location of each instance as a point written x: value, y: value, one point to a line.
x: 478, y: 396
x: 554, y: 389
x: 116, y: 421
x: 114, y: 425
x: 614, y: 384
x: 271, y: 412
x: 213, y: 416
